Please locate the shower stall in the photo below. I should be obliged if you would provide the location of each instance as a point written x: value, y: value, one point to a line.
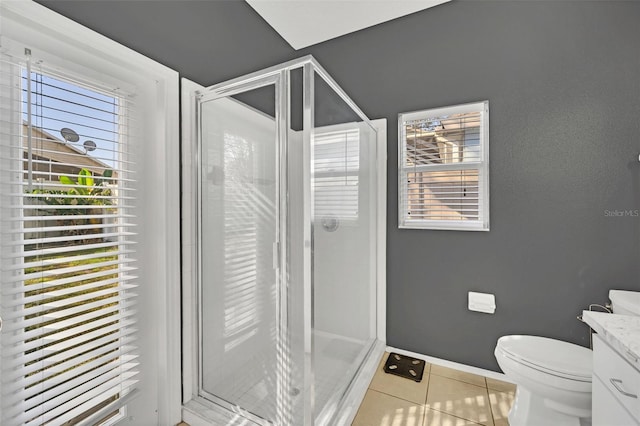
x: 282, y: 302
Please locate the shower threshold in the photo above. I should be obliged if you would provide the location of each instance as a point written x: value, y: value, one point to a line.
x: 339, y: 402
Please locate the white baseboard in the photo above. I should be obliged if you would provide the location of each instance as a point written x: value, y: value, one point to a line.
x: 451, y: 364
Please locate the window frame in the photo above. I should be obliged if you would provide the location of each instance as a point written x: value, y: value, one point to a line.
x: 482, y: 167
x: 66, y: 45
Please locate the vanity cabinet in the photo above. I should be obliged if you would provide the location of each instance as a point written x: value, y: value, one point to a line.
x: 616, y: 387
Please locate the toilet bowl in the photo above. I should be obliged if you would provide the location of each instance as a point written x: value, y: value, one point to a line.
x: 553, y: 379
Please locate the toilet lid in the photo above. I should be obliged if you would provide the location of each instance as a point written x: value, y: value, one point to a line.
x: 555, y: 357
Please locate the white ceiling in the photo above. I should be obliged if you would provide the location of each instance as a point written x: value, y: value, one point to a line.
x: 303, y: 23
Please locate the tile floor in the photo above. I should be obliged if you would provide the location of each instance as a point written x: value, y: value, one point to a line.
x: 444, y: 397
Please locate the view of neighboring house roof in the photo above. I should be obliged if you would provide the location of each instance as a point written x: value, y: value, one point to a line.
x: 47, y: 146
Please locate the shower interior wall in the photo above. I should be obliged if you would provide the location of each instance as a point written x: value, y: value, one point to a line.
x: 336, y: 253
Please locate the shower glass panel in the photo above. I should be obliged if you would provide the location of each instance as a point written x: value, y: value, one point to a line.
x: 238, y: 286
x: 344, y: 219
x: 286, y: 251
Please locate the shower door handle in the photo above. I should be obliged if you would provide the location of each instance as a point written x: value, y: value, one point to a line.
x: 276, y: 255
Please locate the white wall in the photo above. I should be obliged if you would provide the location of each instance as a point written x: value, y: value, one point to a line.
x: 344, y: 260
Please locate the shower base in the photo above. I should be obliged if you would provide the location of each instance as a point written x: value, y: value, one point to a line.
x: 336, y: 360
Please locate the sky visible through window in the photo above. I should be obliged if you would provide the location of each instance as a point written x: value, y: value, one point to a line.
x: 93, y: 116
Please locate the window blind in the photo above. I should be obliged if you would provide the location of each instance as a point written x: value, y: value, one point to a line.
x: 336, y: 169
x: 444, y: 168
x: 68, y: 235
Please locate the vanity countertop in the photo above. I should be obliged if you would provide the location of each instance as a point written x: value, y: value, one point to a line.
x: 622, y: 332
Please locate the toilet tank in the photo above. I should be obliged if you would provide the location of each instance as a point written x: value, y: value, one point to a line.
x: 625, y: 302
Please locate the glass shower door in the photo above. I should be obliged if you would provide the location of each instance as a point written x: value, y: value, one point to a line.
x: 238, y: 322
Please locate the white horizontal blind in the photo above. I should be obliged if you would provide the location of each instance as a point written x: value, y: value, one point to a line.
x: 336, y: 168
x: 68, y: 238
x: 444, y: 168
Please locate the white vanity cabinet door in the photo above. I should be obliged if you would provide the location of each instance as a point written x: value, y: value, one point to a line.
x: 607, y: 411
x: 616, y: 388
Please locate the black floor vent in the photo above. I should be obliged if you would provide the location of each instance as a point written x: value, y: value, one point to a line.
x: 405, y: 366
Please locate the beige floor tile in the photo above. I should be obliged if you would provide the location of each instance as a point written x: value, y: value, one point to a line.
x: 379, y: 409
x: 463, y: 376
x: 500, y: 385
x: 501, y: 403
x: 399, y: 386
x: 437, y: 418
x: 459, y: 399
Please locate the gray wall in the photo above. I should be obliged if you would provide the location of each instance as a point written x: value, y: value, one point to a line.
x: 563, y: 81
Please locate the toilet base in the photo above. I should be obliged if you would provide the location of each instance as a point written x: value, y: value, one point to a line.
x: 530, y: 409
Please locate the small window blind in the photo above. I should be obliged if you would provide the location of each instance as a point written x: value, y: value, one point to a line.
x: 443, y: 170
x: 336, y: 169
x: 67, y: 252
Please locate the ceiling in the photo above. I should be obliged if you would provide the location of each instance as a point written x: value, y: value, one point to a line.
x: 304, y: 23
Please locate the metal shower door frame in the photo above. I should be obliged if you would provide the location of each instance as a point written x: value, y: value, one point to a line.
x: 280, y: 81
x: 279, y: 76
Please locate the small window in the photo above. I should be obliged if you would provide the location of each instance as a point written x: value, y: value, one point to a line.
x: 444, y: 168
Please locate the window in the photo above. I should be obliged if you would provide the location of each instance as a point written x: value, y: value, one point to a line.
x: 68, y: 234
x: 336, y: 166
x: 443, y: 180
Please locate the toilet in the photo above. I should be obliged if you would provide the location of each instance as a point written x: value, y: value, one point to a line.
x: 554, y: 377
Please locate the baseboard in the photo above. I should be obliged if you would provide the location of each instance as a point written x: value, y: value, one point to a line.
x: 450, y: 364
